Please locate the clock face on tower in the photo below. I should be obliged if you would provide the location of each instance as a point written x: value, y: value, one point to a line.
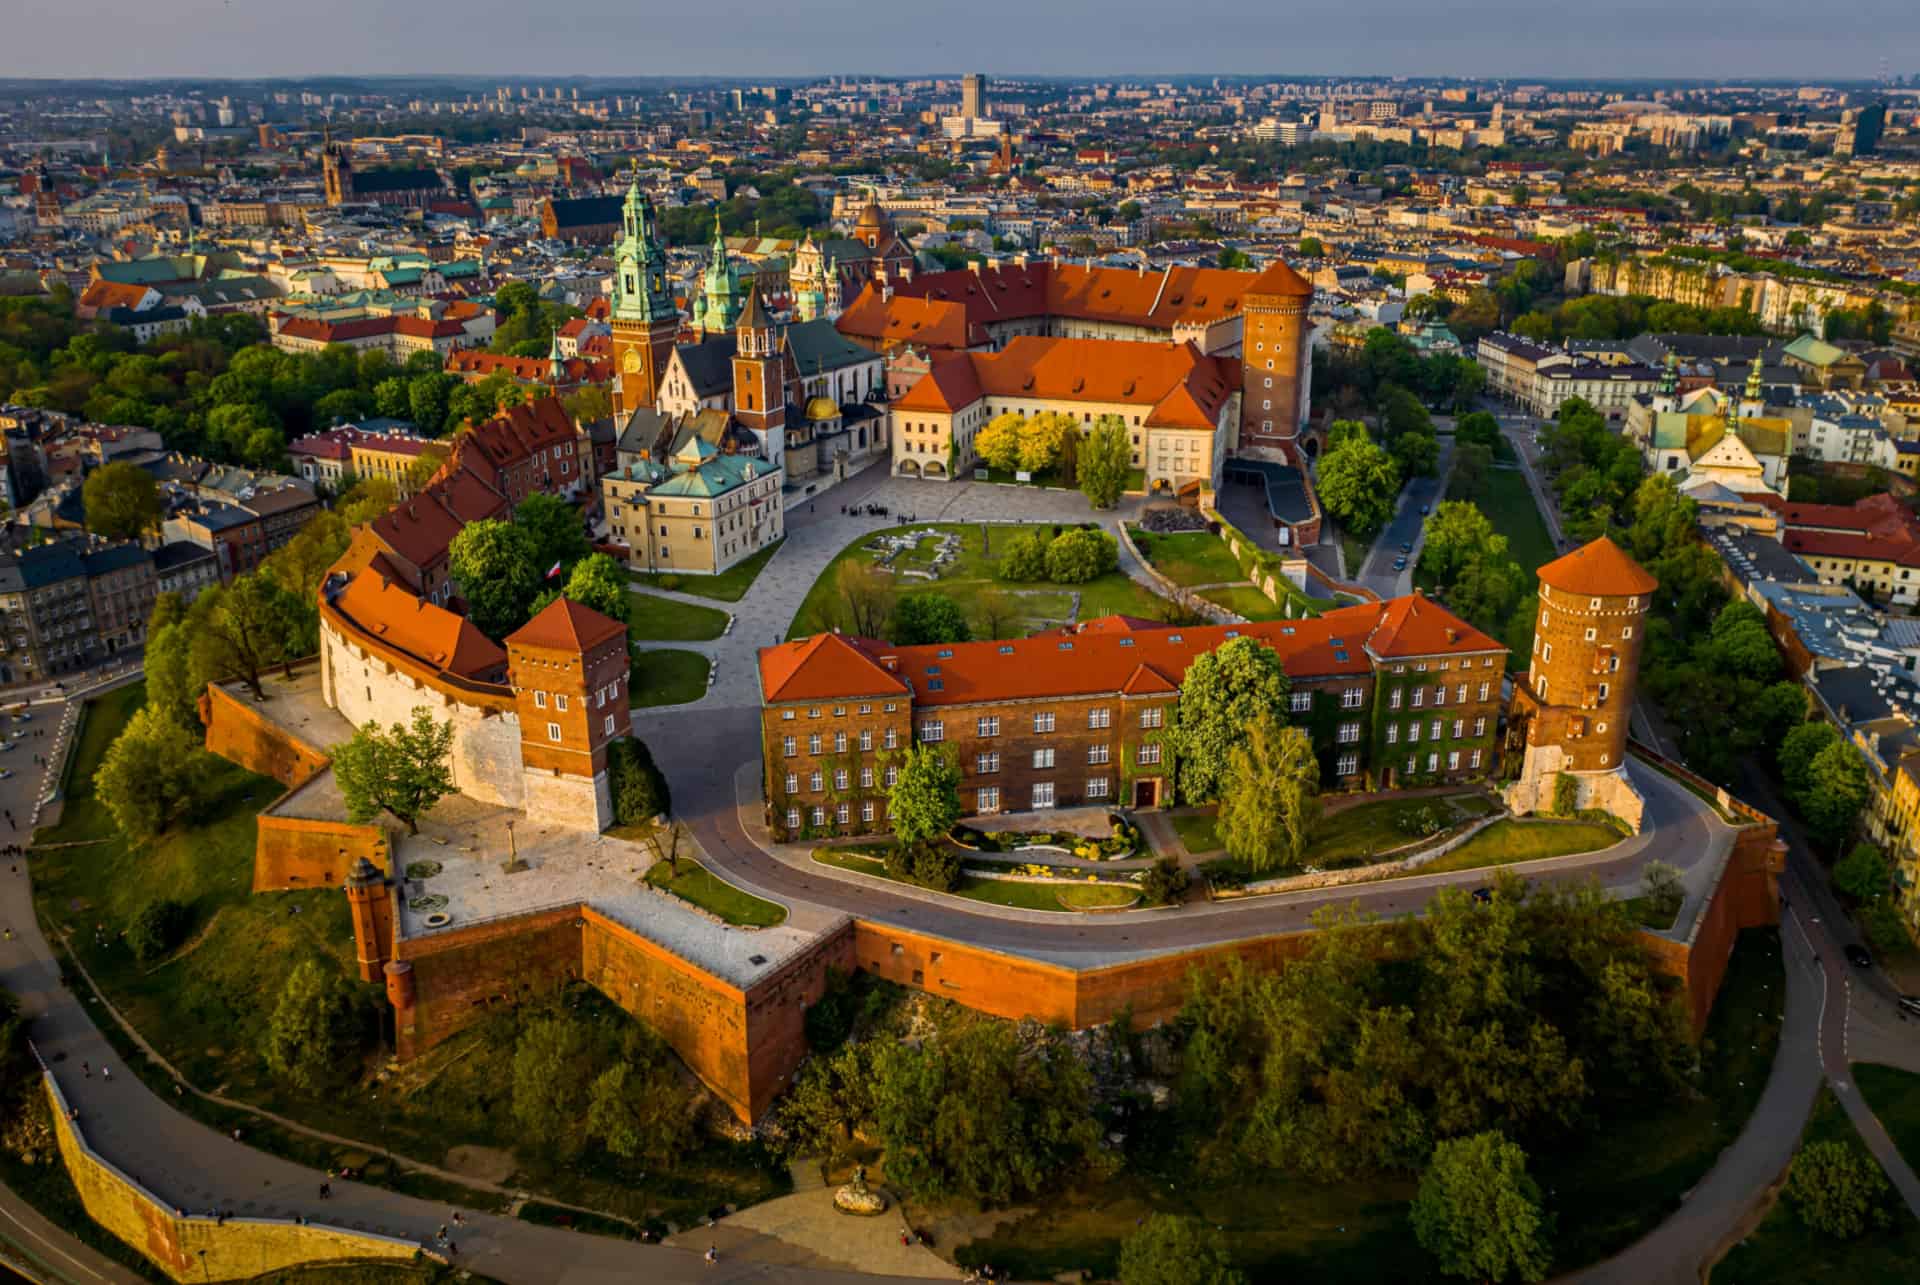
x: 632, y: 361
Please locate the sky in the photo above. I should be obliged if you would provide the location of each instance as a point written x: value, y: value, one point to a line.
x: 1522, y: 39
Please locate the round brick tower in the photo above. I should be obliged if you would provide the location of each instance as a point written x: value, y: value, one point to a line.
x: 1578, y: 694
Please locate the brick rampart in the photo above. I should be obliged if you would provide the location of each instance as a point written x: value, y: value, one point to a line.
x: 190, y: 1248
x: 459, y: 974
x: 297, y: 852
x: 239, y: 732
x: 1746, y: 896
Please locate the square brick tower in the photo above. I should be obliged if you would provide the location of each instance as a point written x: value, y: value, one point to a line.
x: 1276, y: 370
x: 1573, y: 709
x: 568, y: 670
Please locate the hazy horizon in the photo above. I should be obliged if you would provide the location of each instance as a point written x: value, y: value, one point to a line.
x: 260, y: 39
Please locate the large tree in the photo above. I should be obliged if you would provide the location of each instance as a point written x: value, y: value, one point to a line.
x: 1836, y: 792
x: 152, y: 774
x: 493, y: 563
x: 1172, y: 1250
x: 1271, y: 799
x: 863, y: 599
x: 599, y: 582
x: 242, y: 630
x: 314, y: 1030
x: 1458, y: 533
x: 1104, y: 461
x: 553, y: 1069
x: 924, y: 801
x: 121, y: 501
x: 404, y: 770
x: 1225, y: 691
x: 920, y: 618
x: 1478, y: 1212
x: 998, y: 441
x: 1358, y: 482
x: 554, y: 532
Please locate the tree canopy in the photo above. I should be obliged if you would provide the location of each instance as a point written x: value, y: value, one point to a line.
x: 404, y: 769
x: 1225, y: 692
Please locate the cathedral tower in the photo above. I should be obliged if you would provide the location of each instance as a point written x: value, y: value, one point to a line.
x: 1574, y: 706
x: 759, y: 378
x: 643, y: 319
x: 569, y: 670
x: 720, y: 293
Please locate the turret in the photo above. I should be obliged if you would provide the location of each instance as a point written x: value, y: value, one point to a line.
x: 370, y: 902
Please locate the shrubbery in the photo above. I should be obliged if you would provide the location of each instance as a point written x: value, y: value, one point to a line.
x: 157, y: 928
x: 1165, y: 880
x: 927, y: 864
x: 639, y: 790
x: 1075, y: 556
x: 1838, y: 1189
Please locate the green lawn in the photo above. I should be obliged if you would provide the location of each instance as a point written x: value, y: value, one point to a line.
x: 971, y: 573
x: 1190, y: 557
x: 1894, y: 1096
x: 1648, y: 913
x: 657, y: 619
x: 730, y: 585
x: 666, y: 676
x: 1355, y: 835
x: 1245, y: 600
x: 1783, y: 1248
x: 1505, y: 842
x: 1355, y: 551
x: 998, y: 892
x: 696, y: 884
x: 1509, y: 506
x: 207, y: 1007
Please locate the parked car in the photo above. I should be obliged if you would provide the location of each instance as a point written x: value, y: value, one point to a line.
x: 1910, y: 1005
x: 1406, y: 547
x: 1400, y: 563
x: 1857, y: 956
x: 1425, y: 509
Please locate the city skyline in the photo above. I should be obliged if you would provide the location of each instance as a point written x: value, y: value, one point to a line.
x: 1495, y: 38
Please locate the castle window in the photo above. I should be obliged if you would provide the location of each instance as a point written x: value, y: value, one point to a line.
x: 1480, y: 726
x: 839, y: 742
x: 609, y: 725
x: 793, y: 818
x: 840, y: 779
x: 1433, y: 762
x: 539, y: 700
x: 817, y: 781
x: 1393, y: 697
x: 1453, y: 760
x: 813, y: 743
x: 1299, y: 702
x: 1348, y: 765
x: 1483, y: 691
x: 553, y: 731
x: 866, y: 811
x: 1474, y: 762
x: 1591, y: 635
x: 560, y: 701
x: 1459, y: 728
x: 866, y: 780
x: 1546, y: 652
x: 866, y: 738
x: 790, y: 746
x: 819, y: 816
x: 1626, y: 631
x: 1043, y: 758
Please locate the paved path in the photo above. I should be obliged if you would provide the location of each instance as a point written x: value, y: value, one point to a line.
x: 1408, y: 526
x: 44, y: 1252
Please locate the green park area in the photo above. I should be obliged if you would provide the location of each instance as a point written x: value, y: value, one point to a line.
x: 992, y: 606
x: 730, y: 585
x: 657, y: 619
x: 666, y: 676
x: 1610, y: 1180
x: 1352, y: 835
x: 1055, y: 895
x: 1189, y: 558
x: 1506, y: 842
x: 1794, y: 1242
x: 694, y: 883
x: 237, y: 976
x: 1508, y: 504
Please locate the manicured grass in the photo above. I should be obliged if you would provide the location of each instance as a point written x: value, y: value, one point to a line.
x: 666, y: 676
x: 1245, y: 600
x: 1783, y: 1248
x: 1095, y: 896
x: 1648, y: 913
x: 1198, y: 831
x: 1505, y: 842
x: 1894, y: 1096
x: 1355, y: 835
x: 730, y: 585
x: 1509, y: 506
x: 971, y: 573
x: 658, y: 619
x: 1190, y: 557
x: 997, y: 892
x: 696, y: 884
x: 207, y: 1008
x: 100, y: 722
x: 1355, y: 551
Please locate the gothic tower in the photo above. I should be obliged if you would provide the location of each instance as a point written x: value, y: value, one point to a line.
x: 720, y: 289
x: 568, y: 667
x: 1574, y: 706
x: 1276, y: 372
x: 643, y: 319
x: 759, y: 378
x: 336, y: 164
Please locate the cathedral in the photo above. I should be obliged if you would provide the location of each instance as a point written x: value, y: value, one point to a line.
x: 827, y: 274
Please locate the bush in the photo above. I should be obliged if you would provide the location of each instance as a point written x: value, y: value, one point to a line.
x: 1081, y: 555
x: 1660, y: 884
x: 924, y: 864
x: 1566, y: 795
x: 157, y: 928
x: 1165, y: 880
x: 668, y: 581
x: 1025, y: 557
x: 1884, y: 927
x: 1838, y: 1189
x: 1863, y: 873
x: 639, y: 790
x: 1425, y: 821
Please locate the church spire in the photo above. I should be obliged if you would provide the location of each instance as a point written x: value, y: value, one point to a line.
x: 1755, y: 391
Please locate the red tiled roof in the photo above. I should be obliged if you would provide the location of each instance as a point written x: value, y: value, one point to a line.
x: 1111, y: 654
x: 392, y: 613
x: 1177, y: 384
x: 1601, y: 569
x: 565, y: 625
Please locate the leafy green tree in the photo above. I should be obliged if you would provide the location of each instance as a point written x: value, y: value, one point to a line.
x: 1838, y: 1189
x: 1457, y: 534
x: 924, y: 801
x: 1740, y: 644
x: 554, y: 532
x: 1225, y: 691
x: 920, y: 618
x: 1172, y: 1250
x: 553, y: 1067
x: 1863, y: 873
x: 1080, y: 555
x: 597, y: 581
x: 152, y: 775
x: 640, y: 1108
x: 1042, y: 438
x: 1105, y: 460
x: 1358, y: 483
x: 241, y: 631
x: 1271, y: 797
x: 1310, y: 248
x: 493, y: 562
x: 404, y: 770
x: 1836, y: 792
x: 1478, y: 428
x: 121, y: 501
x: 158, y: 927
x: 1023, y: 558
x: 1416, y: 454
x: 1478, y: 1213
x: 639, y: 790
x: 168, y: 662
x: 1166, y: 880
x: 314, y: 1031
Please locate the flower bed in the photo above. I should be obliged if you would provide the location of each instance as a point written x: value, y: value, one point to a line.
x: 1122, y: 841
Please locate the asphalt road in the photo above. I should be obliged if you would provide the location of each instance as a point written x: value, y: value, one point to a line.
x: 1407, y: 528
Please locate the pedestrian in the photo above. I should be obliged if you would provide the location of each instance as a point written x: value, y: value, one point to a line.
x: 452, y: 1249
x: 326, y: 1190
x: 106, y: 1072
x: 442, y: 1233
x: 85, y: 1072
